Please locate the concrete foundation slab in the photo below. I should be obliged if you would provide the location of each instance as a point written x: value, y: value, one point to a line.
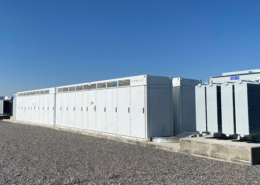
x: 231, y: 150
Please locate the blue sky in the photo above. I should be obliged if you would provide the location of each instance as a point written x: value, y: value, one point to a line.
x: 59, y: 42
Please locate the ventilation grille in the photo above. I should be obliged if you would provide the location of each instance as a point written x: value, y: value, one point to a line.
x: 112, y: 84
x: 65, y: 89
x: 101, y: 85
x: 86, y: 87
x: 79, y: 88
x: 93, y: 86
x: 72, y: 88
x: 31, y: 93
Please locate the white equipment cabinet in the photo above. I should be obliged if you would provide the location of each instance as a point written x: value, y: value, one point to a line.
x: 36, y: 106
x: 136, y: 107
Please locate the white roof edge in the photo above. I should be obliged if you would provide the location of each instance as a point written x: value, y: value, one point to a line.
x: 241, y: 72
x: 123, y: 78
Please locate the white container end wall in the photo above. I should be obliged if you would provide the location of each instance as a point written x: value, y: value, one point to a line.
x: 36, y: 106
x: 137, y: 107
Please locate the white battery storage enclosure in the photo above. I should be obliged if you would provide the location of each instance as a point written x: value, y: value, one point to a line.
x: 36, y: 106
x: 137, y: 107
x: 140, y: 107
x: 184, y: 117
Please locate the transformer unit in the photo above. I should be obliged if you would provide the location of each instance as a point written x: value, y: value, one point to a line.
x: 230, y: 105
x: 228, y: 108
x: 208, y: 108
x: 247, y: 105
x: 214, y: 108
x: 201, y: 108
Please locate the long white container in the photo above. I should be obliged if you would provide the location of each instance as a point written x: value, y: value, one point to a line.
x: 140, y: 107
x: 137, y: 107
x: 36, y: 106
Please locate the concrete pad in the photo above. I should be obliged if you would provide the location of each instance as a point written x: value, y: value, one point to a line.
x: 219, y: 151
x: 230, y: 150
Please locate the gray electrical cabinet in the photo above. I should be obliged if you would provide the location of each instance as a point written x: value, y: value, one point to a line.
x: 247, y: 104
x: 213, y: 96
x: 228, y: 109
x: 201, y: 110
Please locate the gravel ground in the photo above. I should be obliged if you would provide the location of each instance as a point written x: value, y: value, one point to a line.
x: 37, y: 155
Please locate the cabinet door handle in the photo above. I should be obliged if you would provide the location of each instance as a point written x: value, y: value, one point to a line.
x: 86, y: 108
x: 116, y: 109
x: 104, y: 109
x: 95, y: 108
x: 143, y: 110
x: 128, y: 109
x: 81, y: 108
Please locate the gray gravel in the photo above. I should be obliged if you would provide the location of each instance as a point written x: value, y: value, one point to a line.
x: 37, y: 155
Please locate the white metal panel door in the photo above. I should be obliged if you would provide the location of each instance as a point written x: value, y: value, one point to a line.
x: 51, y: 109
x: 45, y: 109
x: 25, y: 109
x: 124, y: 111
x: 17, y: 108
x: 138, y: 126
x: 64, y: 110
x: 101, y: 111
x: 91, y: 110
x: 111, y: 112
x: 41, y: 113
x: 85, y: 110
x: 58, y: 110
x: 39, y: 109
x: 78, y: 110
x: 36, y: 112
x: 32, y: 108
x: 28, y: 118
x: 71, y: 110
